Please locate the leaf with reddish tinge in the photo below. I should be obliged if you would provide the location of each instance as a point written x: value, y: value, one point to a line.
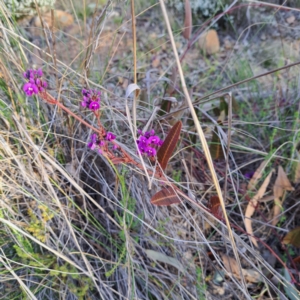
x: 165, y: 151
x: 215, y: 206
x: 187, y: 20
x: 166, y: 196
x: 293, y: 237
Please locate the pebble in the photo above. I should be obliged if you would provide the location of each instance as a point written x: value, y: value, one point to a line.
x: 62, y: 19
x: 291, y: 19
x: 209, y: 42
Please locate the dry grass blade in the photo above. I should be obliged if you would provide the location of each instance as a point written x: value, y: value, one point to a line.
x: 281, y: 185
x: 166, y: 196
x: 252, y: 206
x: 187, y: 20
x: 297, y: 173
x: 256, y: 176
x: 165, y: 151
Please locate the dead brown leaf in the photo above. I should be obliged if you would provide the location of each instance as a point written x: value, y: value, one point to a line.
x: 256, y: 176
x: 281, y: 185
x: 252, y: 205
x: 232, y: 267
x: 155, y: 62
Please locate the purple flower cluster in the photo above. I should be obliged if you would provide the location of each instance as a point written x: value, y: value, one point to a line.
x: 148, y: 143
x: 35, y: 82
x: 91, y: 99
x: 98, y: 144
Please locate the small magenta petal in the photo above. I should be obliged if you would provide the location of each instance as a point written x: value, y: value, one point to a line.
x: 30, y: 89
x: 92, y: 145
x: 142, y: 139
x: 110, y: 136
x: 39, y: 72
x: 147, y: 134
x: 94, y: 105
x: 150, y: 151
x: 94, y: 137
x: 154, y: 140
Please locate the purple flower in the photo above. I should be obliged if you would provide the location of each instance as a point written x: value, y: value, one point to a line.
x: 92, y: 145
x: 142, y: 139
x: 110, y: 136
x: 94, y: 105
x: 148, y: 143
x: 35, y: 82
x: 91, y: 99
x: 249, y: 175
x: 30, y: 88
x: 98, y: 144
x: 154, y: 140
x: 151, y: 151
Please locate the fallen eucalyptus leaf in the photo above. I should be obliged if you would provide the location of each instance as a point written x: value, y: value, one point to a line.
x: 158, y: 256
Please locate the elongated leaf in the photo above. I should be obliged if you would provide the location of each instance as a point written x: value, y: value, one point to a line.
x: 158, y: 256
x: 215, y: 146
x: 187, y: 20
x: 252, y: 206
x: 257, y: 175
x: 289, y: 288
x: 165, y: 151
x: 281, y: 185
x: 165, y: 197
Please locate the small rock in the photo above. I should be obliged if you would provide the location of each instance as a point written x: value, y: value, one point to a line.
x: 228, y: 44
x: 263, y: 37
x: 275, y: 33
x: 61, y: 19
x: 209, y: 42
x: 155, y: 62
x: 290, y: 19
